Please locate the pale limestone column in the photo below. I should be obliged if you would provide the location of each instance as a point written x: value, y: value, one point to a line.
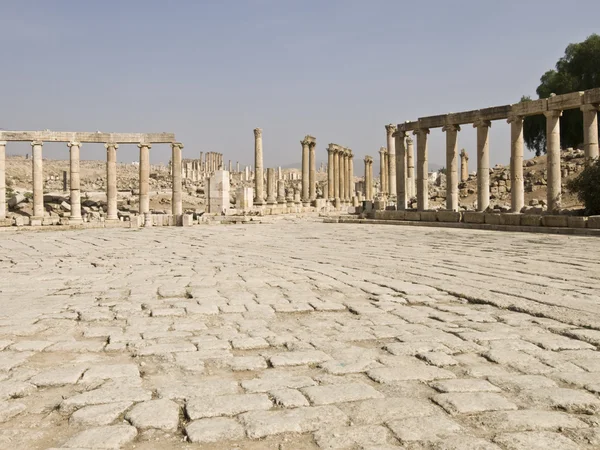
x: 391, y: 145
x: 464, y: 166
x: 451, y: 166
x: 401, y: 184
x: 517, y: 187
x: 271, y: 196
x: 367, y: 178
x: 336, y: 173
x: 281, y: 191
x: 144, y: 178
x: 422, y: 169
x: 259, y: 183
x: 305, y: 169
x: 38, y: 179
x: 554, y: 192
x: 590, y: 132
x: 111, y: 181
x: 176, y: 202
x: 343, y: 175
x: 410, y: 168
x: 330, y: 177
x: 237, y: 166
x: 382, y: 171
x: 350, y: 181
x: 230, y: 166
x: 75, y: 183
x: 2, y: 180
x: 483, y: 164
x: 312, y: 172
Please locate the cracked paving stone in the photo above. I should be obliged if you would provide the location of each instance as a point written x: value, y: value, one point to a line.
x: 98, y: 415
x: 377, y: 411
x: 465, y: 385
x: 161, y: 414
x: 59, y: 376
x: 473, y: 402
x: 428, y: 428
x: 525, y: 420
x: 226, y: 405
x: 338, y: 393
x: 213, y: 430
x: 387, y: 375
x: 350, y: 437
x: 536, y: 440
x: 111, y: 437
x: 288, y: 398
x: 9, y: 409
x: 298, y: 358
x: 109, y: 371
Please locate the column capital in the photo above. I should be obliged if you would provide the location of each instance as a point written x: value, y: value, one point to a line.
x: 463, y: 154
x: 390, y: 129
x: 142, y: 144
x: 421, y: 131
x: 305, y: 142
x: 482, y: 123
x: 111, y: 144
x: 514, y: 118
x: 553, y: 113
x: 257, y: 132
x: 409, y: 140
x: 451, y: 127
x: 73, y: 144
x: 382, y: 150
x: 590, y: 107
x: 177, y: 144
x: 36, y: 143
x: 312, y: 145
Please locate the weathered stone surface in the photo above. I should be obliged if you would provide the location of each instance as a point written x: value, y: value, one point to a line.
x: 15, y: 389
x: 277, y: 380
x: 98, y: 415
x: 422, y: 373
x: 464, y: 443
x: 430, y: 428
x: 465, y: 385
x: 260, y: 424
x: 473, y: 402
x: 525, y: 420
x: 190, y: 388
x: 108, y: 394
x: 58, y: 376
x: 337, y: 393
x: 387, y: 409
x: 10, y: 409
x: 226, y: 405
x: 569, y: 400
x: 536, y: 440
x: 161, y: 414
x: 298, y: 358
x: 110, y: 371
x: 214, y: 430
x: 288, y: 398
x: 242, y: 363
x: 113, y: 437
x: 350, y: 437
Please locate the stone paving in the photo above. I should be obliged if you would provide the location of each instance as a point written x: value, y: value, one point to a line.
x: 299, y: 335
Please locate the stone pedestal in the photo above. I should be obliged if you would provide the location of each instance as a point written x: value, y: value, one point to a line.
x: 244, y: 198
x: 38, y: 180
x: 218, y: 192
x: 258, y: 168
x: 517, y: 187
x: 483, y: 164
x: 554, y: 189
x: 144, y: 178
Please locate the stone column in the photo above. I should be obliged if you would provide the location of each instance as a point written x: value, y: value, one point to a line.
x: 343, y: 175
x: 483, y: 164
x: 281, y: 191
x: 2, y: 180
x: 382, y: 171
x: 554, y: 191
x: 271, y: 195
x: 330, y: 177
x: 144, y: 178
x: 451, y: 166
x: 176, y: 203
x: 464, y: 166
x: 367, y: 178
x: 259, y: 187
x: 590, y: 132
x: 237, y: 166
x: 111, y: 181
x: 517, y: 187
x: 401, y: 191
x: 38, y: 179
x: 305, y: 169
x: 410, y: 168
x: 350, y: 182
x: 74, y: 182
x: 422, y: 169
x: 336, y: 173
x: 312, y: 172
x: 391, y: 155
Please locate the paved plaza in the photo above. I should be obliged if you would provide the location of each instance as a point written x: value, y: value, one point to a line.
x: 299, y: 335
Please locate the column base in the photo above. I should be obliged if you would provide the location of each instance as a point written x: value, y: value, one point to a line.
x: 75, y: 220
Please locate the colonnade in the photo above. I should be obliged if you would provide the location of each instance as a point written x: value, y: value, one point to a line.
x: 340, y: 174
x: 74, y: 143
x: 587, y: 101
x: 198, y: 169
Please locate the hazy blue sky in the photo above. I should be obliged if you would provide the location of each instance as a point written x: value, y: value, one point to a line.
x: 211, y: 71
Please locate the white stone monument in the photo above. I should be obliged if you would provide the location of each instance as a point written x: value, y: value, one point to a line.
x: 218, y: 192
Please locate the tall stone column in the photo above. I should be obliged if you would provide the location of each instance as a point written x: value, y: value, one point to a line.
x: 237, y: 166
x: 281, y: 191
x: 382, y: 171
x: 312, y: 173
x: 75, y: 183
x: 422, y: 169
x: 144, y: 178
x: 111, y: 181
x: 483, y: 164
x: 517, y: 187
x: 343, y: 175
x: 2, y: 180
x: 451, y: 166
x: 554, y: 192
x: 367, y: 178
x: 38, y: 179
x: 464, y: 166
x: 271, y: 196
x: 305, y: 169
x: 176, y: 202
x: 350, y: 181
x: 401, y: 191
x: 259, y: 182
x: 330, y: 164
x: 590, y: 132
x: 336, y: 173
x: 391, y: 145
x: 410, y: 168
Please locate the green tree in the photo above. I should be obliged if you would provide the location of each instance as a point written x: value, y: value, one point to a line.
x: 587, y: 187
x: 577, y: 70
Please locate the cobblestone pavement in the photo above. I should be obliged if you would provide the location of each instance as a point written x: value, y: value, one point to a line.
x: 299, y: 335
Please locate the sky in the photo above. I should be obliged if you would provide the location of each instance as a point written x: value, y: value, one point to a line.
x: 211, y: 71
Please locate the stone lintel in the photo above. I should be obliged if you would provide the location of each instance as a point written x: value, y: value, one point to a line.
x: 530, y: 108
x: 408, y: 126
x: 592, y: 96
x: 100, y: 138
x: 495, y: 113
x: 566, y: 101
x: 432, y: 121
x: 462, y: 118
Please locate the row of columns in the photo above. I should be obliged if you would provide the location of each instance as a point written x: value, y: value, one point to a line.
x: 111, y: 180
x: 340, y: 173
x: 554, y: 189
x: 197, y: 169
